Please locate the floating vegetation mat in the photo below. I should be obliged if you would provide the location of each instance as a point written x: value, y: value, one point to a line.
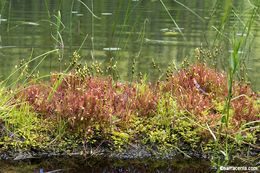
x: 85, y: 115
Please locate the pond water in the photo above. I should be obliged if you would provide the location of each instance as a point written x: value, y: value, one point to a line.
x: 106, y: 166
x: 124, y: 31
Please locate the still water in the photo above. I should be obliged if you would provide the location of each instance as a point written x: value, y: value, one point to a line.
x: 106, y: 166
x: 124, y: 31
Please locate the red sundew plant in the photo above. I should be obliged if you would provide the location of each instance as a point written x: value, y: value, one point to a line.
x: 146, y: 99
x: 82, y: 100
x: 197, y: 89
x: 244, y: 104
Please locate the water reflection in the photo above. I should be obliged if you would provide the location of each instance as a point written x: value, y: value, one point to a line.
x: 90, y: 165
x: 140, y: 30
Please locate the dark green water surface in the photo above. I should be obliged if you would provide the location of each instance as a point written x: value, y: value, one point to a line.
x: 124, y: 30
x: 92, y: 165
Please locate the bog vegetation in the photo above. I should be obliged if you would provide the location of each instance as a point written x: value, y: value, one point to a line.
x: 193, y: 108
x: 78, y: 112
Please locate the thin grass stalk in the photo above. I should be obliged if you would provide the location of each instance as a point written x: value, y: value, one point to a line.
x: 46, y: 2
x: 9, y: 16
x: 126, y: 17
x: 224, y: 19
x: 33, y: 59
x: 61, y: 77
x: 175, y: 23
x: 90, y: 10
x: 34, y: 69
x: 192, y: 11
x: 71, y: 23
x: 142, y: 37
x: 235, y: 61
x: 132, y: 31
x: 2, y: 3
x: 93, y: 16
x: 92, y: 32
x: 83, y: 42
x: 119, y: 6
x: 58, y: 37
x: 234, y: 65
